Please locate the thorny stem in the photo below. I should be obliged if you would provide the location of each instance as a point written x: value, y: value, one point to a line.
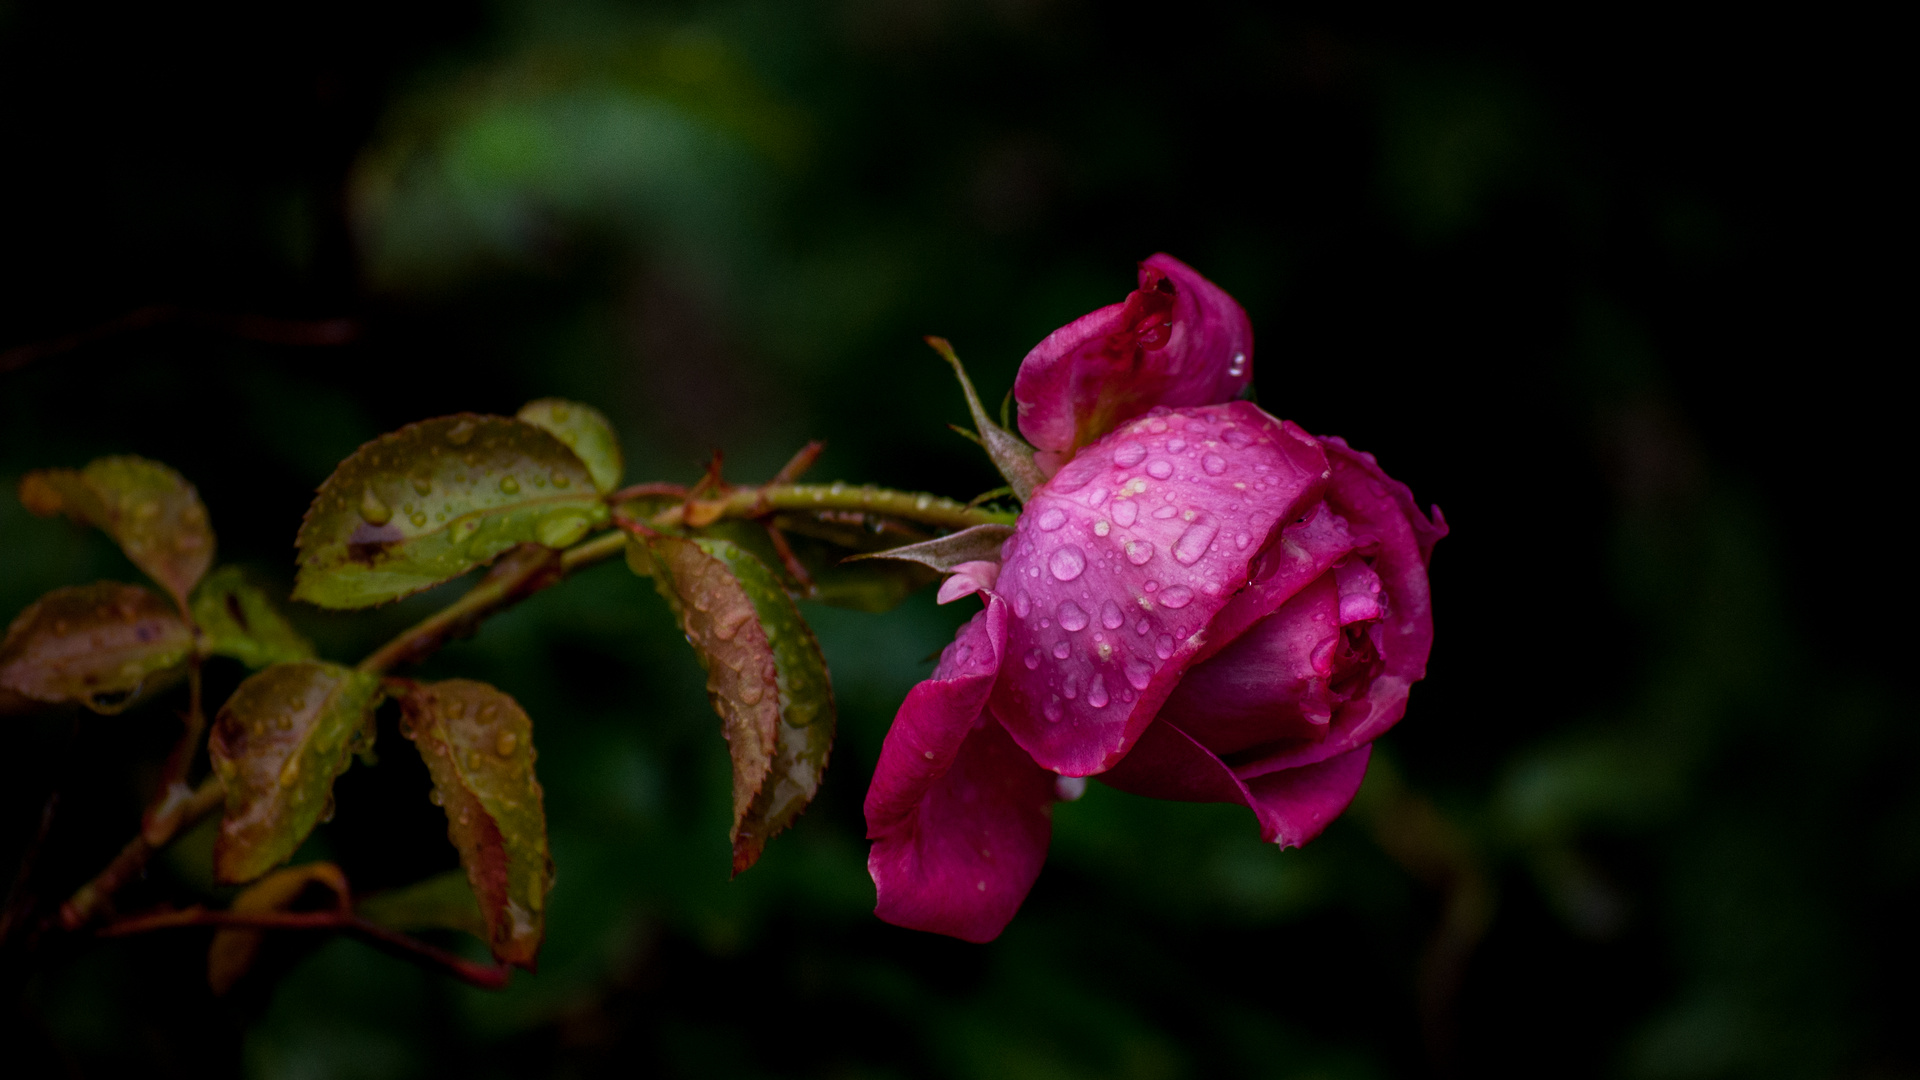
x: 407, y: 947
x: 754, y: 502
x: 174, y: 792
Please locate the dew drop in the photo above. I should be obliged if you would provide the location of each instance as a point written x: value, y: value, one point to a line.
x: 561, y: 530
x: 1142, y: 627
x: 1072, y: 689
x: 1051, y: 518
x: 1022, y: 604
x: 1139, y: 552
x: 372, y: 509
x: 290, y: 772
x: 1156, y: 425
x: 461, y: 433
x: 422, y: 483
x: 1214, y: 464
x: 1139, y: 672
x: 1194, y: 542
x: 1165, y: 512
x: 560, y: 479
x: 1110, y: 616
x: 1073, y: 617
x: 1176, y: 596
x: 1163, y: 647
x: 1236, y: 438
x: 1128, y: 454
x: 1239, y: 365
x: 1051, y: 710
x: 1124, y: 512
x: 1241, y: 540
x: 1061, y: 651
x: 1101, y: 528
x: 419, y: 519
x: 504, y: 743
x: 1067, y: 563
x: 1160, y: 468
x: 1097, y: 692
x: 1098, y: 496
x: 509, y: 486
x: 1033, y: 659
x: 1074, y: 477
x: 436, y: 798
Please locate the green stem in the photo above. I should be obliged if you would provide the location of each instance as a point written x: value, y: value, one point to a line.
x: 760, y: 501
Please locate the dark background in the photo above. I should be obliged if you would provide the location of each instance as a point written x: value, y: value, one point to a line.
x: 1616, y: 291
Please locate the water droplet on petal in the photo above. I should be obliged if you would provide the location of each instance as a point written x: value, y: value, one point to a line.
x: 1051, y: 710
x: 1101, y: 528
x: 1163, y: 647
x: 1214, y: 464
x: 1072, y: 689
x: 1165, y: 512
x: 1033, y: 659
x: 1160, y: 468
x: 1176, y: 596
x: 1022, y: 604
x: 1097, y: 692
x: 372, y: 509
x: 1142, y: 627
x: 1139, y: 552
x: 1239, y: 365
x: 1236, y: 438
x: 1073, y: 617
x: 1061, y: 651
x: 1098, y: 496
x: 1124, y: 512
x: 1067, y: 563
x: 1139, y: 672
x: 1128, y: 454
x: 1110, y: 616
x: 1241, y: 541
x: 1051, y: 518
x: 1074, y: 477
x: 1194, y: 542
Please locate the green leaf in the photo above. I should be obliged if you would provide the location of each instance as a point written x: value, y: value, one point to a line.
x: 149, y: 510
x: 478, y: 746
x: 586, y: 432
x: 237, y: 619
x: 277, y: 744
x: 765, y: 676
x: 982, y: 543
x: 433, y: 500
x: 1010, y: 453
x: 234, y: 948
x: 100, y: 645
x: 441, y: 902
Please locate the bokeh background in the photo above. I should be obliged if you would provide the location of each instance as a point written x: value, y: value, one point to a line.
x: 1616, y: 291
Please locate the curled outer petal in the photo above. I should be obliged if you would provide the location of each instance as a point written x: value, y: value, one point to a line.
x: 1177, y: 340
x: 1122, y: 561
x: 959, y: 815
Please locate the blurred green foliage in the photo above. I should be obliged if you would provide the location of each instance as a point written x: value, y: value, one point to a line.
x: 1606, y: 294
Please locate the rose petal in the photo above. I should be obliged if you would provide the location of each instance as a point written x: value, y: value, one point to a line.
x: 1271, y: 683
x: 958, y: 813
x: 1177, y: 340
x: 969, y: 578
x: 1119, y: 563
x: 1292, y: 806
x: 1305, y: 550
x: 1381, y: 508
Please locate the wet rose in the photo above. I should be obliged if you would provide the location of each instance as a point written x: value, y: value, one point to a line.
x: 1201, y: 603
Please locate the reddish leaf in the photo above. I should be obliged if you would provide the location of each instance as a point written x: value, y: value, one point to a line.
x: 478, y: 746
x: 99, y: 645
x: 765, y: 676
x: 234, y: 948
x: 278, y: 743
x: 150, y: 510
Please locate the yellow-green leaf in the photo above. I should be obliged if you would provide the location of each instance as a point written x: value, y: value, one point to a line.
x: 100, y: 645
x: 238, y: 619
x: 234, y: 947
x: 586, y: 432
x: 765, y: 676
x: 441, y: 902
x: 278, y: 743
x: 435, y: 499
x: 149, y: 510
x: 478, y: 746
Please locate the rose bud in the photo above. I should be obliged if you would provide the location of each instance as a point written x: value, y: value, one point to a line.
x: 1203, y: 603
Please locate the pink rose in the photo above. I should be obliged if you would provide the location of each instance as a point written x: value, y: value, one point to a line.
x: 1203, y: 603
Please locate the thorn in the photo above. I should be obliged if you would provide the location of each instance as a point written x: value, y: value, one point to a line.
x: 967, y: 435
x: 799, y: 463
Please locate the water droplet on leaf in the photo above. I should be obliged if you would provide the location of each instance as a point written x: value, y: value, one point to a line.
x: 372, y: 509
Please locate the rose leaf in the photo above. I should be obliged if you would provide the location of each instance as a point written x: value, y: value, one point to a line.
x: 150, y: 511
x: 586, y: 432
x: 99, y: 645
x: 237, y: 619
x: 435, y: 499
x: 765, y: 676
x: 234, y: 948
x: 478, y: 746
x: 441, y: 902
x: 278, y: 743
